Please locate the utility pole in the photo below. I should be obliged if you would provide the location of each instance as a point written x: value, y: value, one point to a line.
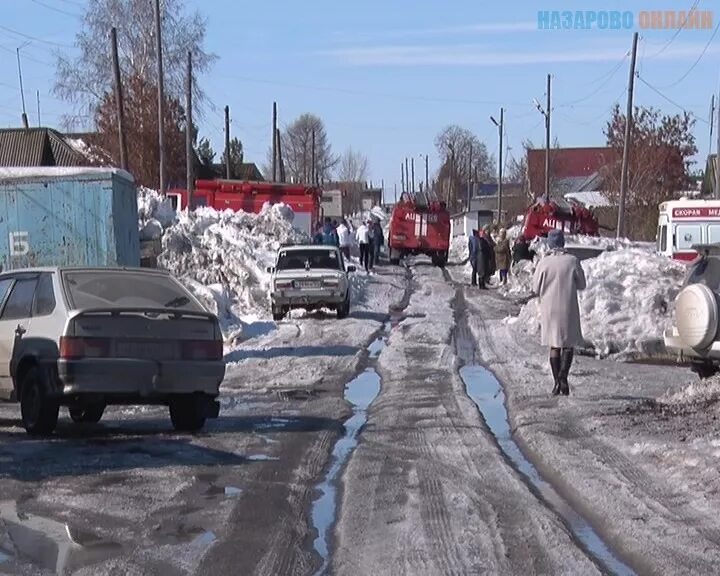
x: 717, y: 156
x: 546, y: 113
x: 712, y: 122
x: 407, y: 176
x: 275, y: 143
x: 227, y: 142
x: 412, y: 168
x: 161, y: 95
x: 395, y: 191
x: 469, y: 180
x: 38, y: 106
x: 402, y: 177
x: 22, y: 91
x: 314, y: 180
x: 119, y: 106
x: 190, y: 185
x: 280, y: 158
x: 500, y: 126
x: 427, y: 173
x: 626, y: 144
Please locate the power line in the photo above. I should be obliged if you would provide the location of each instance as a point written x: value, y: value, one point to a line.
x: 667, y: 99
x: 677, y: 33
x: 35, y: 38
x: 610, y: 76
x: 370, y: 94
x: 58, y: 10
x: 696, y: 61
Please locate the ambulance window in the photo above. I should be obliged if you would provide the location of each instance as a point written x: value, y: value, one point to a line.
x: 714, y: 234
x: 662, y: 238
x: 688, y: 234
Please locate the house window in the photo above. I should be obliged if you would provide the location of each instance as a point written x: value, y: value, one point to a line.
x: 686, y: 235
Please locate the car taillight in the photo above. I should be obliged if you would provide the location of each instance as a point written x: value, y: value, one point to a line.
x: 202, y: 350
x: 283, y: 283
x: 73, y: 347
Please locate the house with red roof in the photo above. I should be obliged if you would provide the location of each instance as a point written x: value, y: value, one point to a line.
x: 574, y: 172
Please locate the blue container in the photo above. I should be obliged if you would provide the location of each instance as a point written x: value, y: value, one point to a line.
x: 68, y: 217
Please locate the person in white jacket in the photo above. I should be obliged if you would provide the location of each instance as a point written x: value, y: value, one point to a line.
x: 362, y: 235
x: 344, y: 239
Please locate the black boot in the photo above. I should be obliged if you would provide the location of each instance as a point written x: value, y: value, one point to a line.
x: 566, y: 360
x: 555, y: 365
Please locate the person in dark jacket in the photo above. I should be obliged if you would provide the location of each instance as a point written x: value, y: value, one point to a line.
x: 486, y: 255
x: 329, y: 234
x: 474, y: 252
x: 378, y: 240
x: 318, y: 236
x: 521, y: 250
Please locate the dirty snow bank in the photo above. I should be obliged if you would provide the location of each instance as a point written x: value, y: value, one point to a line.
x: 222, y: 257
x: 155, y: 213
x: 627, y: 304
x: 459, y: 252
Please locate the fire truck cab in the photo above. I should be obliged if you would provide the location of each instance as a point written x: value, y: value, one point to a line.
x: 684, y: 223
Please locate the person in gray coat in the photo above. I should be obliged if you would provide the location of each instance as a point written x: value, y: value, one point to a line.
x: 557, y: 280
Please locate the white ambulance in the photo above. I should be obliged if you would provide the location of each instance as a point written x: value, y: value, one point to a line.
x: 684, y: 223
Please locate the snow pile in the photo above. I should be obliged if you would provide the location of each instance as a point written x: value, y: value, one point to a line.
x: 152, y: 206
x: 628, y: 301
x: 222, y: 256
x: 459, y: 251
x: 699, y: 392
x: 91, y: 153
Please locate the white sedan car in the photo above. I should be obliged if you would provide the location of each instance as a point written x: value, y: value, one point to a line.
x: 310, y: 277
x: 88, y: 337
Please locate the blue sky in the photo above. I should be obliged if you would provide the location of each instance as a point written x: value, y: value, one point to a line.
x: 386, y: 77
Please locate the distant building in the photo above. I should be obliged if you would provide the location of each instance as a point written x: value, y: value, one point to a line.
x: 28, y: 147
x: 572, y: 170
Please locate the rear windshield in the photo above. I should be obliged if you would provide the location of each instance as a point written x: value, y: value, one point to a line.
x: 125, y: 289
x: 302, y: 259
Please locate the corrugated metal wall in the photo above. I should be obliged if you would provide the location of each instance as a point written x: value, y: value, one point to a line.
x: 79, y: 221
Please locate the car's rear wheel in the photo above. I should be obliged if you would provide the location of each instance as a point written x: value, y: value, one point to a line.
x: 39, y: 413
x: 87, y: 413
x: 187, y: 412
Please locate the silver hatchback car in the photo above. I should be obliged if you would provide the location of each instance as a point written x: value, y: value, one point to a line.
x: 86, y: 338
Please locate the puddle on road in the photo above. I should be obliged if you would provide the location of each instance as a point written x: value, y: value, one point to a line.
x: 232, y: 491
x: 52, y: 545
x: 360, y: 392
x: 204, y: 540
x: 487, y: 393
x: 261, y: 458
x: 378, y: 345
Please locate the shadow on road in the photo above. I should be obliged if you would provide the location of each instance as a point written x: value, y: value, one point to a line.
x: 147, y: 443
x: 291, y: 351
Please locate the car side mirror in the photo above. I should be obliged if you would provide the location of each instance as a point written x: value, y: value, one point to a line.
x: 351, y: 269
x: 270, y: 270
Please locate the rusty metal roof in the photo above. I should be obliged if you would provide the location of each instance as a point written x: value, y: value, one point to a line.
x: 37, y: 147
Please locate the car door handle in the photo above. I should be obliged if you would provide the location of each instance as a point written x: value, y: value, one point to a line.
x: 19, y: 331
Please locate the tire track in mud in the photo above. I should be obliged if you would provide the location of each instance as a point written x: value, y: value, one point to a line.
x: 582, y: 533
x: 647, y: 496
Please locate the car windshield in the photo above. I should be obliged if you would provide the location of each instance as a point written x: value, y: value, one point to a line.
x: 125, y: 289
x: 312, y: 259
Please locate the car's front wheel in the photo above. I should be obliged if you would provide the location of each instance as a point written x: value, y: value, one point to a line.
x: 87, y: 413
x: 39, y: 413
x: 187, y: 412
x: 343, y: 310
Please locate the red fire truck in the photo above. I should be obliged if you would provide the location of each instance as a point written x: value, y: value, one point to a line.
x: 572, y: 218
x: 251, y: 197
x: 419, y: 226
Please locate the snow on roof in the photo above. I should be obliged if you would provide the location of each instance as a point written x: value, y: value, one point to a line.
x: 593, y: 199
x: 33, y: 172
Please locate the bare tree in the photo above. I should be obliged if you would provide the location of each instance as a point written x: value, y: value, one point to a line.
x: 84, y: 79
x: 353, y: 167
x: 236, y: 158
x: 297, y: 151
x: 464, y: 157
